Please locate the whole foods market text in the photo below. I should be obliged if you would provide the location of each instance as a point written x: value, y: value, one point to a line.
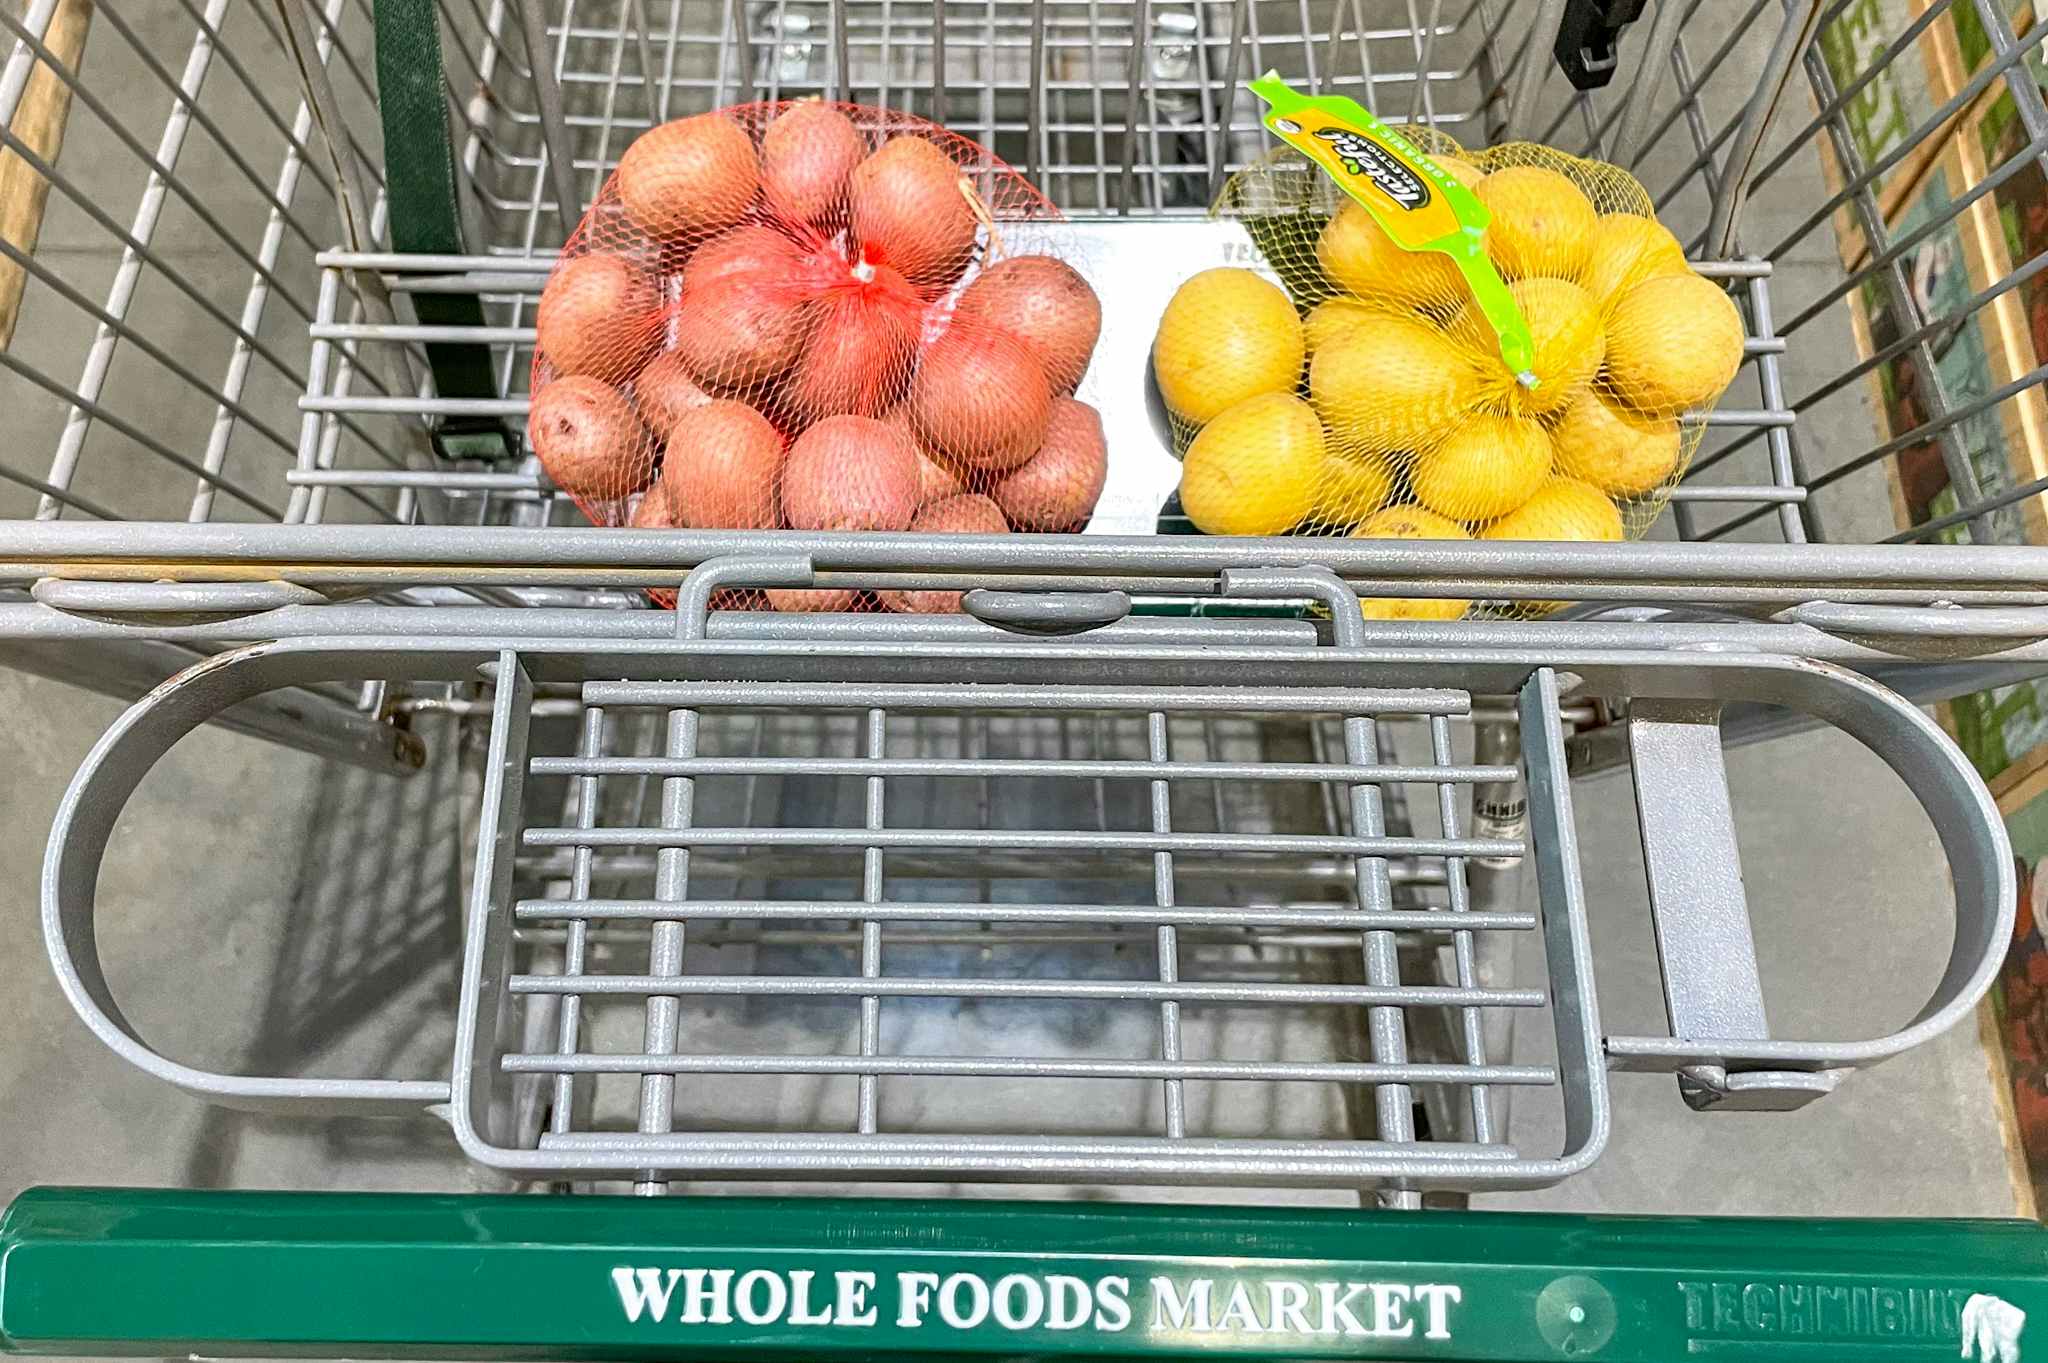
x: 1179, y: 1306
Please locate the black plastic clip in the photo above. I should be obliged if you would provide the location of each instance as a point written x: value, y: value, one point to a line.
x: 1587, y: 39
x: 485, y: 439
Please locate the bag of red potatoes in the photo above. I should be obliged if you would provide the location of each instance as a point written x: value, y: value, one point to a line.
x: 822, y: 317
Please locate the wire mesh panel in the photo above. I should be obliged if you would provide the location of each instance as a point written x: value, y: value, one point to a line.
x: 175, y: 324
x: 361, y: 454
x: 982, y: 930
x: 864, y: 931
x: 1112, y: 105
x: 174, y: 259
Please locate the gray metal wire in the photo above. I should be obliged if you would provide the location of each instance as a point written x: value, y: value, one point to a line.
x: 1123, y: 107
x: 917, y: 1006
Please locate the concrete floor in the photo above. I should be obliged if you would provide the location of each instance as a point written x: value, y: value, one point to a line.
x: 264, y: 909
x: 1846, y: 921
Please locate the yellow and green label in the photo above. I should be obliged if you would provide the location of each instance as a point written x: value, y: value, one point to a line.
x: 1419, y: 204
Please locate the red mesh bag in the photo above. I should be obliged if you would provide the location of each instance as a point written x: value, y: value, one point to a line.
x: 820, y: 316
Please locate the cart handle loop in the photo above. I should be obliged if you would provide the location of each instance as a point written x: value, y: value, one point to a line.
x: 78, y: 843
x: 1707, y: 1031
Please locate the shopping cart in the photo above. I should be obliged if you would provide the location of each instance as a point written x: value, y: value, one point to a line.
x: 1158, y: 867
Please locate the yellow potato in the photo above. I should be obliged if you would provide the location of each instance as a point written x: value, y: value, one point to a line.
x: 1673, y: 344
x: 1410, y: 523
x: 1485, y: 468
x: 1255, y: 469
x: 1227, y: 335
x: 1333, y: 316
x: 1616, y: 451
x: 1352, y: 488
x: 1542, y: 223
x: 1360, y: 258
x: 1627, y: 249
x: 1464, y: 171
x: 1562, y: 509
x: 1394, y: 385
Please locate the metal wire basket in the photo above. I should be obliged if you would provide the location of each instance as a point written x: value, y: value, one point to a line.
x: 291, y: 382
x: 1127, y: 111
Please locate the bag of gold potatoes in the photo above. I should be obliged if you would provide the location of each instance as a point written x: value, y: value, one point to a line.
x: 1380, y: 407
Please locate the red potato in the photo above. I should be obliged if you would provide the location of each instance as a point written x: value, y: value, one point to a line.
x: 598, y: 315
x: 689, y: 175
x: 606, y: 228
x: 1044, y: 303
x: 964, y: 515
x: 980, y: 397
x: 1057, y: 488
x: 811, y: 600
x: 723, y: 466
x: 807, y: 156
x: 735, y: 332
x: 753, y: 251
x: 664, y: 390
x: 909, y: 211
x: 651, y: 512
x: 851, y: 473
x: 937, y: 479
x: 589, y: 439
x: 859, y: 351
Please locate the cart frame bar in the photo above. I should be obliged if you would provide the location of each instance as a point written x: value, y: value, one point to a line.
x: 122, y: 1271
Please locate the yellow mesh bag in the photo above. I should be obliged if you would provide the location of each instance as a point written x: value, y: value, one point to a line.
x: 1365, y: 393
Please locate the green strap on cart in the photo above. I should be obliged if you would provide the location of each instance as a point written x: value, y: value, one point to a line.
x: 426, y: 216
x: 161, y: 1272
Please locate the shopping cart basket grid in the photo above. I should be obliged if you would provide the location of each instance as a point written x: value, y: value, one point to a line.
x: 1047, y: 84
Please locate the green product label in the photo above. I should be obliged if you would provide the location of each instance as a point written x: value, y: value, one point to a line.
x: 1404, y: 188
x: 1419, y: 205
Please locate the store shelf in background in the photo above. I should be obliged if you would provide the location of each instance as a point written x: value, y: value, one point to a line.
x: 39, y: 122
x: 1965, y: 213
x: 1943, y: 318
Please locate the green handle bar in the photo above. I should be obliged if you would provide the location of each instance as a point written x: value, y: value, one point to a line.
x: 148, y: 1272
x: 420, y: 175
